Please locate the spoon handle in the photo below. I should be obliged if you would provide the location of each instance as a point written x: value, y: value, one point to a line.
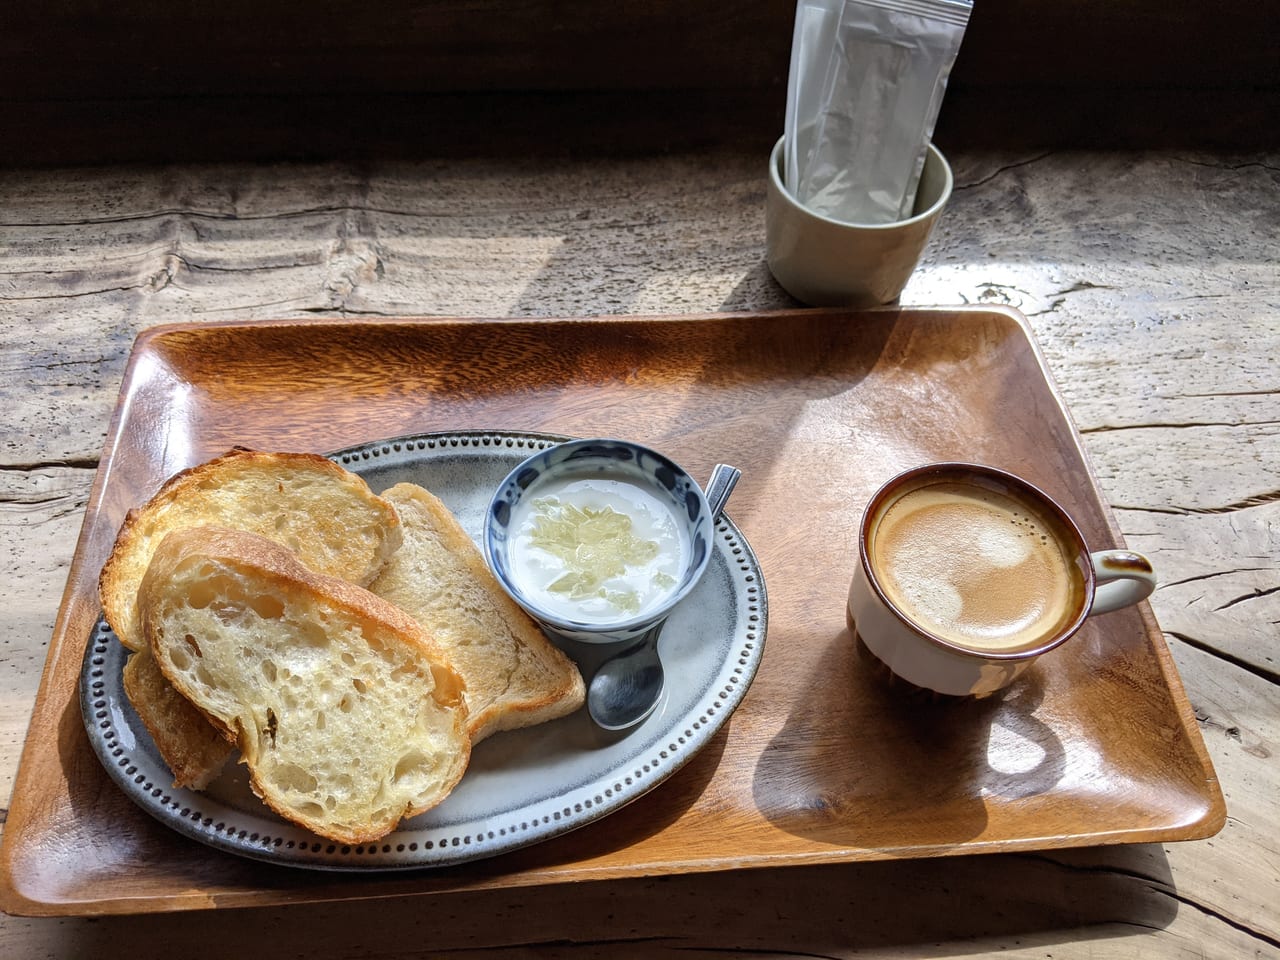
x: 719, y: 486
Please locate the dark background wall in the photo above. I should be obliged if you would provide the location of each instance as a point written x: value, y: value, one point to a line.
x: 101, y: 81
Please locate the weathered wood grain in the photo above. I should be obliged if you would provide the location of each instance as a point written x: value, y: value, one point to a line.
x: 1150, y: 281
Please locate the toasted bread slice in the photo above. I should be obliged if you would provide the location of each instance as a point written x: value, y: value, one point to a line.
x: 346, y: 713
x: 327, y: 515
x: 515, y: 677
x: 192, y: 747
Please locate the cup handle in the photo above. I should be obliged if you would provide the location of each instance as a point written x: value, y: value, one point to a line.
x: 1123, y: 578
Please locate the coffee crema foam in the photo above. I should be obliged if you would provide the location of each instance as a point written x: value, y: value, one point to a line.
x: 976, y: 567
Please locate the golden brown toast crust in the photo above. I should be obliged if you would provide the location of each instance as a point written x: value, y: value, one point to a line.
x: 351, y: 540
x: 515, y: 676
x: 193, y: 748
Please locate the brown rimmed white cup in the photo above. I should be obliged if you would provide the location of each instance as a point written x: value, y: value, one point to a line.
x: 925, y: 581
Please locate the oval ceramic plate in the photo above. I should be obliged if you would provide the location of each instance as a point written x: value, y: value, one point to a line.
x: 522, y: 786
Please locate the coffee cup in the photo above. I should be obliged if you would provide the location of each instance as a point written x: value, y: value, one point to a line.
x: 967, y: 575
x: 825, y: 262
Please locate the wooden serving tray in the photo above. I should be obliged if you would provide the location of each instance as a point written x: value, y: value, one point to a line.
x: 826, y: 760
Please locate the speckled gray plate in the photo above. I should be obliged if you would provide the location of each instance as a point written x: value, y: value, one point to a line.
x: 522, y: 786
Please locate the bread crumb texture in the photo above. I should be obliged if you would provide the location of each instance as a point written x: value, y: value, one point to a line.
x: 345, y: 714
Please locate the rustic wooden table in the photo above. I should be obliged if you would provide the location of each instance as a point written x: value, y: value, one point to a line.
x: 1149, y: 280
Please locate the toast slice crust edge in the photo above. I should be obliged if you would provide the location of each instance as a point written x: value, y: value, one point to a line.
x: 515, y: 676
x: 351, y: 537
x: 193, y: 748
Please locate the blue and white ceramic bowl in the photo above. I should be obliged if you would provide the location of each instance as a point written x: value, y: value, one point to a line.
x: 600, y: 459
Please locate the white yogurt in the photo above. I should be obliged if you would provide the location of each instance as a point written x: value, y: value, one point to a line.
x: 595, y: 550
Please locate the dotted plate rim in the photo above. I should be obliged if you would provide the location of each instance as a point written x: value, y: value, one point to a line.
x: 663, y: 744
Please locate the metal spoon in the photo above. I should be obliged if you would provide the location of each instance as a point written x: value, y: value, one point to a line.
x: 626, y: 687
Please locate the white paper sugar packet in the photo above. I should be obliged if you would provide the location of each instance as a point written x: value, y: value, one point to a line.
x: 865, y: 87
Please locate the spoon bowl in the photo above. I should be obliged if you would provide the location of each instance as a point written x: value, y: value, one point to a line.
x: 627, y: 687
